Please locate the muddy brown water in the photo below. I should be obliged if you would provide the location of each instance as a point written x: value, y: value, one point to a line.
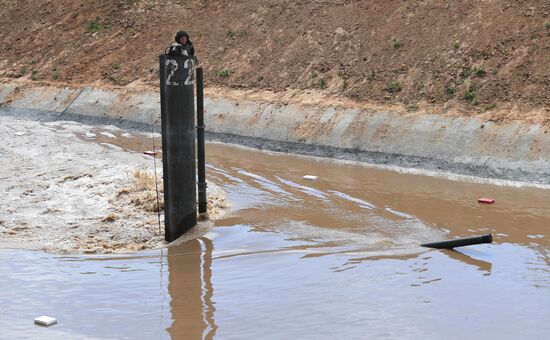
x: 333, y: 258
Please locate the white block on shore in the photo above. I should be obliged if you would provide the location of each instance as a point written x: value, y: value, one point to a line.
x: 310, y: 177
x: 45, y: 320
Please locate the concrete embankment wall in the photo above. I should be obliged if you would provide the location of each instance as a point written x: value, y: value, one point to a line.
x: 515, y: 151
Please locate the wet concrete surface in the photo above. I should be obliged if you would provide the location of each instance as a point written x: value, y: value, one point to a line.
x: 514, y: 153
x: 333, y: 258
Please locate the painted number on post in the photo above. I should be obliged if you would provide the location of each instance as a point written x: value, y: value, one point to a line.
x: 190, y: 80
x: 175, y: 79
x: 174, y: 67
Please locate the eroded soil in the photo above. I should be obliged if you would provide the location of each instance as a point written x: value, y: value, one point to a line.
x: 457, y: 57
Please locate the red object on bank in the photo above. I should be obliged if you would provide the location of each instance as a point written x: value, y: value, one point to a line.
x: 486, y: 200
x: 150, y: 153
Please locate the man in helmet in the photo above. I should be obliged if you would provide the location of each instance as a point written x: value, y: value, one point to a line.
x: 182, y: 46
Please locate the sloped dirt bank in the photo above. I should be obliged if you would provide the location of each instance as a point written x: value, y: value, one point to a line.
x: 469, y: 58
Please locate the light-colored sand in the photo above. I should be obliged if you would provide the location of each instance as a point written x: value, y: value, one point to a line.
x: 64, y: 195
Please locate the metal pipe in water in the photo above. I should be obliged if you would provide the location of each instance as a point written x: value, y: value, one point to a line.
x: 461, y: 242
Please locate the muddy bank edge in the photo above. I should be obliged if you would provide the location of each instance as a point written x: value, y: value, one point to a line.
x: 468, y: 146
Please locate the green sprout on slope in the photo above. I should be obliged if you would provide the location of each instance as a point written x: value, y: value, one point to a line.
x: 397, y: 43
x: 372, y: 75
x: 471, y: 94
x: 344, y: 84
x: 479, y: 72
x: 230, y: 33
x: 450, y: 91
x: 393, y: 87
x: 223, y: 73
x: 96, y: 25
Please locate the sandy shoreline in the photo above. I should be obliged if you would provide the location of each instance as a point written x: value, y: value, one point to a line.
x: 63, y: 194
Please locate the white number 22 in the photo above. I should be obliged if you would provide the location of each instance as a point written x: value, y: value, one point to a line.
x: 189, y: 65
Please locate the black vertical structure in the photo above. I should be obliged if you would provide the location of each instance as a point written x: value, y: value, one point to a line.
x: 177, y: 107
x: 200, y: 142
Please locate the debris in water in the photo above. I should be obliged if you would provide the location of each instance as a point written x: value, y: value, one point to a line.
x: 45, y: 321
x: 310, y: 177
x: 486, y: 200
x: 108, y: 134
x: 19, y: 133
x: 118, y: 208
x: 109, y: 218
x: 143, y: 194
x: 460, y: 242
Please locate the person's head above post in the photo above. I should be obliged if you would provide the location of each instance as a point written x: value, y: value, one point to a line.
x: 182, y: 37
x: 182, y: 46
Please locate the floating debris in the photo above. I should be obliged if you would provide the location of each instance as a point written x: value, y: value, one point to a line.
x: 45, y: 320
x: 310, y: 177
x: 108, y: 134
x: 460, y: 242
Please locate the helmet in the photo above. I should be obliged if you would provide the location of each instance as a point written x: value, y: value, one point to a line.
x: 180, y: 34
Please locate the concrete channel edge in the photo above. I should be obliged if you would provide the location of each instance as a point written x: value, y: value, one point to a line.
x: 515, y: 151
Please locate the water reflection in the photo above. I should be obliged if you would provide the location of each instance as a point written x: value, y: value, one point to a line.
x: 481, y: 265
x: 191, y: 291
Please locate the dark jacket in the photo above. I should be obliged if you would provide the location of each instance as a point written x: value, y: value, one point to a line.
x: 188, y: 46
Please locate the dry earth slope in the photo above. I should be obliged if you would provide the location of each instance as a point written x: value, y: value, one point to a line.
x: 488, y: 58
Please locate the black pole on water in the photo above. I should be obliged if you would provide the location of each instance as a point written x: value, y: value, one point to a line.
x: 461, y: 242
x: 200, y: 142
x: 177, y: 103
